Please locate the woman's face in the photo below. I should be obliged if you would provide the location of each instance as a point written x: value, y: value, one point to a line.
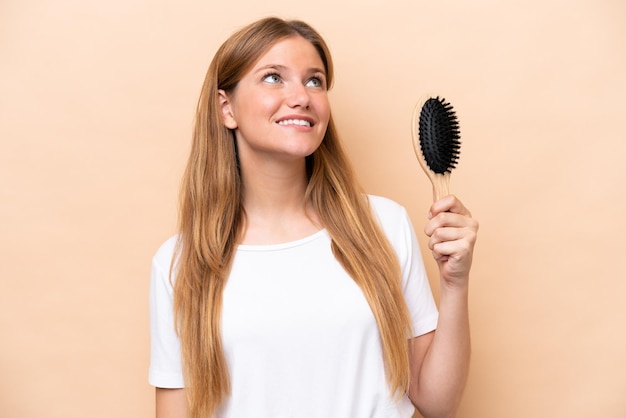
x: 279, y: 109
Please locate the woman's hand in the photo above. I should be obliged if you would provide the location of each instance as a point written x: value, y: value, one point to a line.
x: 452, y: 232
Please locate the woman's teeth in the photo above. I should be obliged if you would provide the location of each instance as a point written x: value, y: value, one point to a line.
x: 298, y: 122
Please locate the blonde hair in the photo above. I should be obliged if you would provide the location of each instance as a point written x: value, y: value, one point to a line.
x: 212, y: 217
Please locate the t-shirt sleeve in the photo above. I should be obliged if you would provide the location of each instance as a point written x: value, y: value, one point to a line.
x: 416, y: 288
x: 397, y: 225
x: 165, y: 361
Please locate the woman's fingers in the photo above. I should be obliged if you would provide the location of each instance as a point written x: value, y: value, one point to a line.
x: 452, y: 233
x: 448, y: 220
x: 449, y: 203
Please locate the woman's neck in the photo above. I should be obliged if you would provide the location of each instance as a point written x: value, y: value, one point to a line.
x: 275, y: 206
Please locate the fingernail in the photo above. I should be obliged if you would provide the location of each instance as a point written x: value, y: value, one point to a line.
x: 430, y: 215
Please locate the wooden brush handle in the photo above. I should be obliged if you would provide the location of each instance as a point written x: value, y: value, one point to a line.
x: 441, y: 185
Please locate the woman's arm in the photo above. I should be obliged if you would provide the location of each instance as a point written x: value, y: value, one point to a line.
x: 440, y: 359
x: 171, y: 403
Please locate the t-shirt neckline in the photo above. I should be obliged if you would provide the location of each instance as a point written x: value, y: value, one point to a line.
x: 283, y: 245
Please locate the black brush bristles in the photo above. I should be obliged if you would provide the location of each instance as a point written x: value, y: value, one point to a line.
x: 439, y: 135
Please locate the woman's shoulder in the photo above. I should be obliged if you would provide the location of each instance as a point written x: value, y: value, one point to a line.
x: 384, y: 207
x: 391, y: 216
x: 165, y: 252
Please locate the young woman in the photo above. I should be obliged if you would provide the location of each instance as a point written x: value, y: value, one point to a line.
x: 288, y: 292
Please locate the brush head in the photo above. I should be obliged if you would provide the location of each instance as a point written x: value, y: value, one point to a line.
x: 439, y: 135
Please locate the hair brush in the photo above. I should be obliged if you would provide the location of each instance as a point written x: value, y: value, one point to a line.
x: 436, y: 141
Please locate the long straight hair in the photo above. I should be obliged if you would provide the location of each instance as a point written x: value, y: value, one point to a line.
x: 211, y: 224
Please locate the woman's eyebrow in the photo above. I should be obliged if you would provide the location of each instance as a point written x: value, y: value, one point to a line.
x: 280, y: 67
x: 271, y: 67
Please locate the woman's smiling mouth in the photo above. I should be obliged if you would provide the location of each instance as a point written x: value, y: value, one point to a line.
x: 298, y: 122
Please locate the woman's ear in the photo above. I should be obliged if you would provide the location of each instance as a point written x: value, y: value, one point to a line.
x: 226, y: 108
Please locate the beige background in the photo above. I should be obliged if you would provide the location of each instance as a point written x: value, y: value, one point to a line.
x: 96, y: 108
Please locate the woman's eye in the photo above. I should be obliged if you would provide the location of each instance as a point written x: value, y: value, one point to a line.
x: 315, y: 82
x: 272, y: 78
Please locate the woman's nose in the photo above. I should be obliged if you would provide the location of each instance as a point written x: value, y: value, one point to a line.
x: 298, y: 96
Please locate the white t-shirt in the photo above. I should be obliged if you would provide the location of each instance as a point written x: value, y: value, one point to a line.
x: 299, y: 336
